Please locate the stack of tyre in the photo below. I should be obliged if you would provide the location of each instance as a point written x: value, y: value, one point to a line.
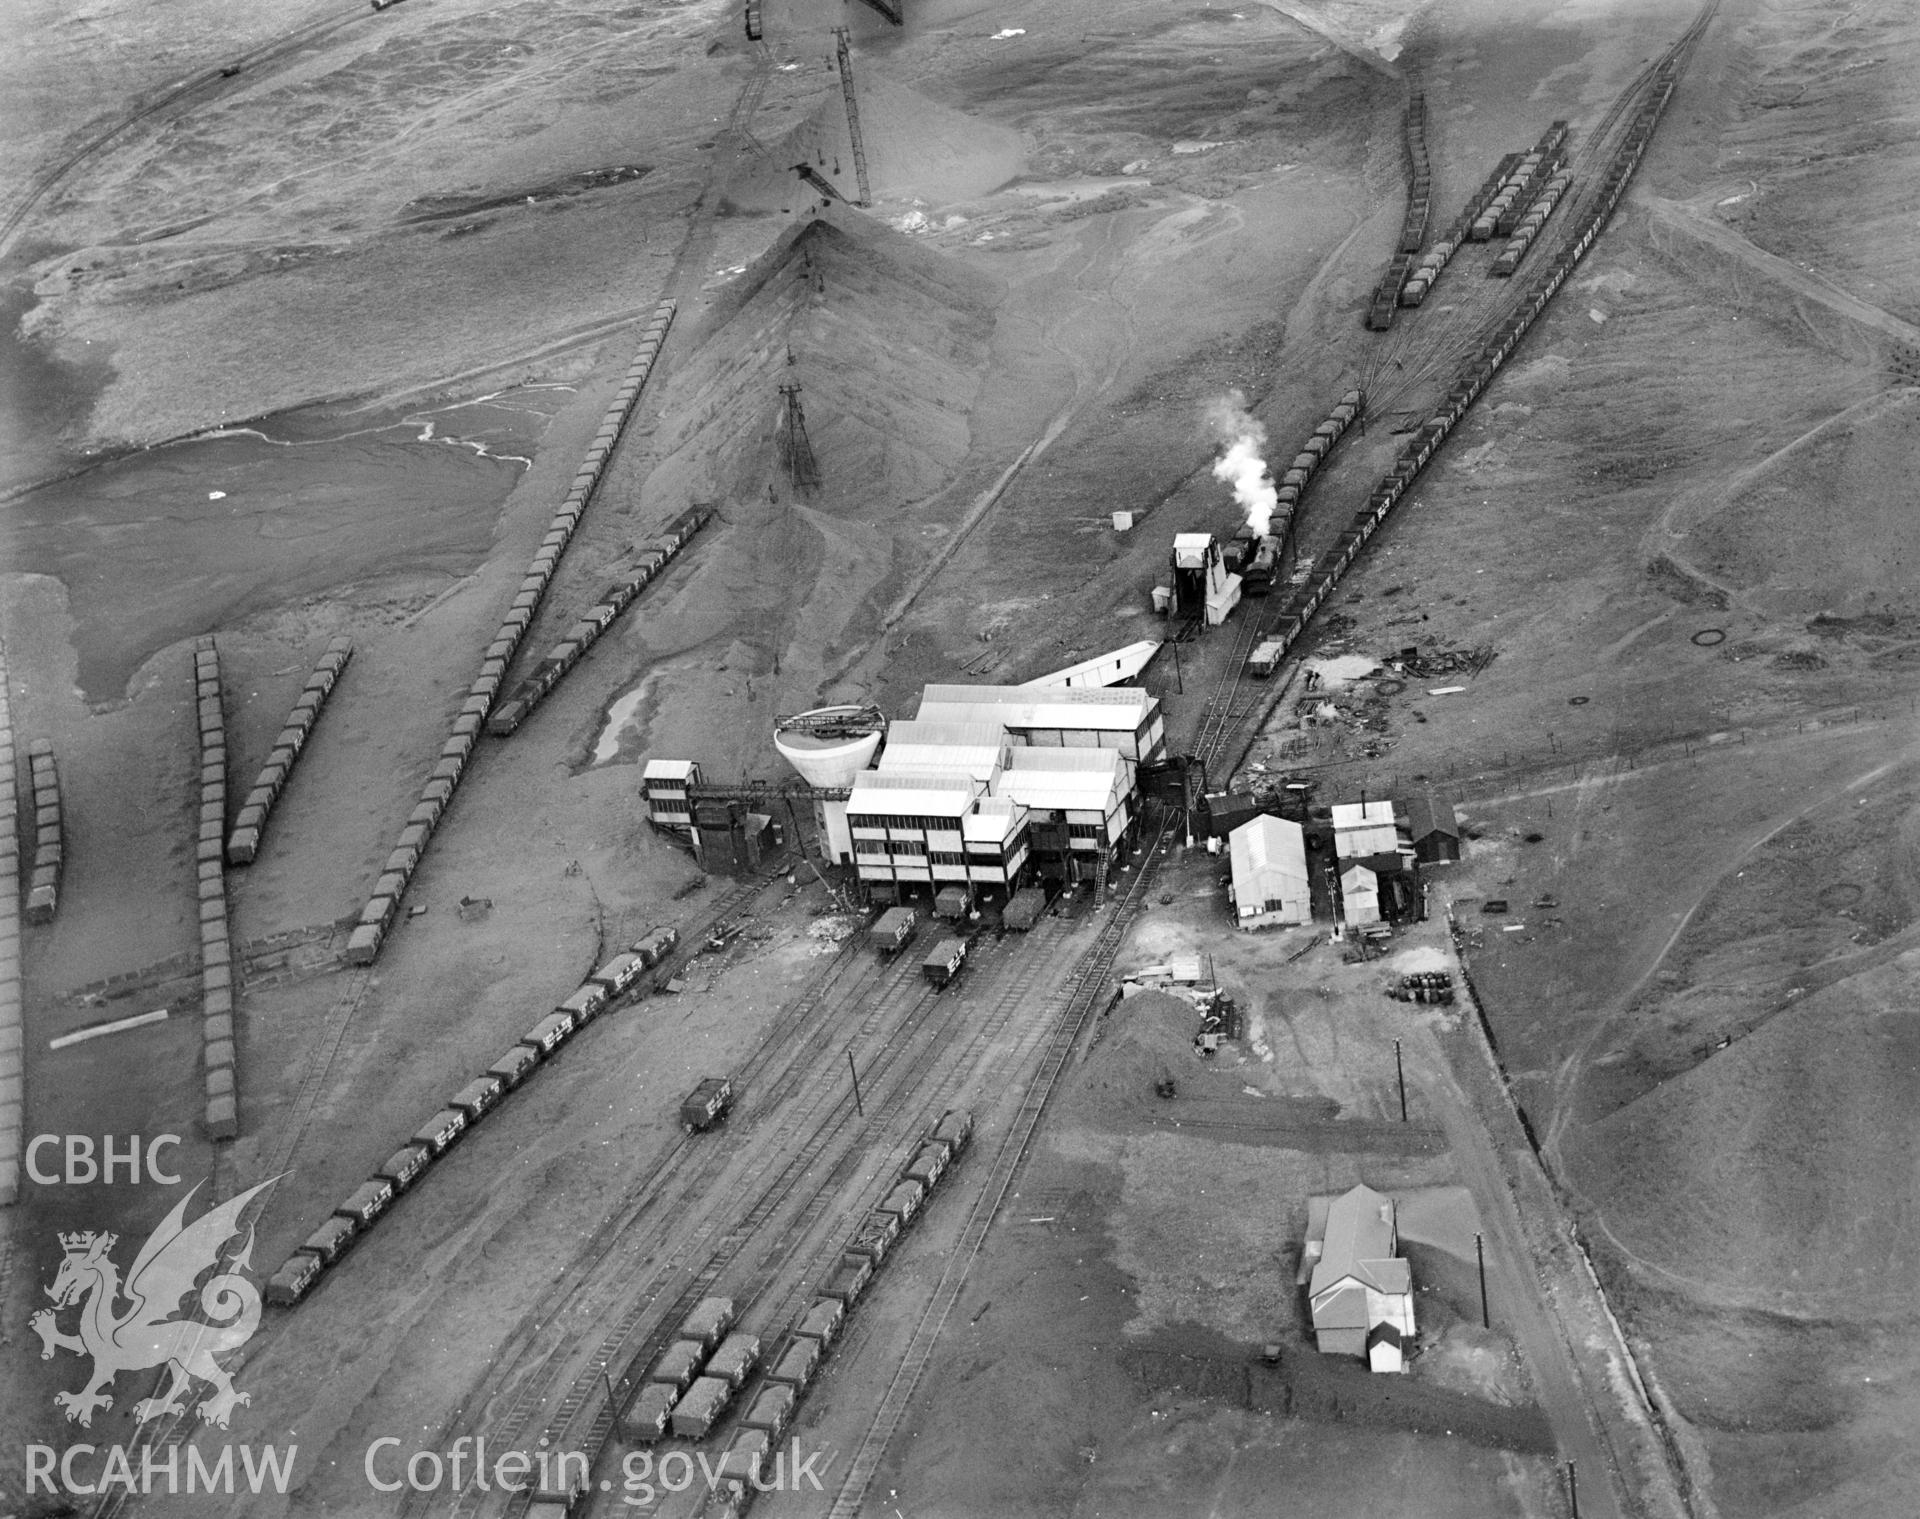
x: 377, y: 916
x: 363, y: 1207
x: 13, y: 1092
x: 222, y: 1116
x: 1293, y: 483
x: 797, y: 1363
x: 564, y: 655
x: 243, y: 843
x: 43, y: 887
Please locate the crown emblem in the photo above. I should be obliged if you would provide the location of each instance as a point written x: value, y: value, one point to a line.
x: 80, y: 1244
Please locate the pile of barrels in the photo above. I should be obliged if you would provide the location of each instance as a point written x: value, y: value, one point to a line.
x: 13, y: 1048
x: 1293, y: 483
x: 1528, y: 227
x: 367, y: 1203
x: 222, y: 1116
x: 563, y: 656
x: 382, y: 907
x: 1428, y: 986
x: 43, y: 887
x: 243, y: 843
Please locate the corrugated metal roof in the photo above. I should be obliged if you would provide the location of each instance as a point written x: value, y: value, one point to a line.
x: 1359, y: 1244
x: 667, y: 770
x: 1362, y: 814
x: 1431, y: 814
x: 933, y: 794
x: 1102, y: 707
x: 1103, y: 669
x: 977, y: 749
x: 1075, y: 780
x: 1266, y: 846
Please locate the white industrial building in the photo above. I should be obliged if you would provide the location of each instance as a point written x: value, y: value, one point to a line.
x: 990, y: 783
x: 987, y: 785
x: 1270, y: 881
x: 1126, y: 718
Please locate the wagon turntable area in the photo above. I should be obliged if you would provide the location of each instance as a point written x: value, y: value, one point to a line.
x: 418, y: 251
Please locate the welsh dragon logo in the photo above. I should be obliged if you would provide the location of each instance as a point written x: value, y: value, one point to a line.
x: 145, y: 1335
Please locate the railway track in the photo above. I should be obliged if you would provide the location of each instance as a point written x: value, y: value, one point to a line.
x: 821, y: 1138
x: 687, y: 1171
x: 1074, y: 1005
x: 185, y: 91
x: 1451, y: 361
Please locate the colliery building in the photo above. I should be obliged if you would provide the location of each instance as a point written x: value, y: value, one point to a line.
x: 986, y: 787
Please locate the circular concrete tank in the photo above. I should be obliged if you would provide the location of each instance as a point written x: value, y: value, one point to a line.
x: 827, y: 761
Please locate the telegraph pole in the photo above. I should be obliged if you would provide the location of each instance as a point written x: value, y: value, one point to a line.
x: 1480, y: 1254
x: 1400, y: 1074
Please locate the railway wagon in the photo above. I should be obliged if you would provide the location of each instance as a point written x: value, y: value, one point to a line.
x: 295, y: 1279
x: 822, y: 1322
x: 873, y: 1237
x: 738, y: 1355
x: 771, y: 1409
x: 367, y: 1201
x: 943, y: 962
x: 405, y: 1165
x: 928, y: 1165
x: 797, y: 1365
x: 656, y: 946
x: 849, y: 1282
x: 951, y: 902
x: 330, y: 1240
x: 549, y: 1033
x: 441, y: 1130
x: 1265, y: 658
x: 585, y: 1004
x: 903, y: 1202
x: 1024, y: 908
x: 955, y: 1129
x: 619, y: 973
x: 678, y: 1365
x: 477, y: 1098
x: 646, y: 1419
x: 708, y: 1320
x: 742, y: 1466
x: 707, y: 1104
x: 701, y: 1406
x: 892, y: 929
x: 515, y: 1066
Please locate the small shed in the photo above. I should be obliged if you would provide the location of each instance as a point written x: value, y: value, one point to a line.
x: 1434, y: 829
x: 1359, y: 897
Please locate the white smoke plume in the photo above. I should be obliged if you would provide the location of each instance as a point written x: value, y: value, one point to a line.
x: 1242, y: 466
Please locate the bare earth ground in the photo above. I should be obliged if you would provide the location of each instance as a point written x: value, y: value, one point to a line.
x: 1710, y: 435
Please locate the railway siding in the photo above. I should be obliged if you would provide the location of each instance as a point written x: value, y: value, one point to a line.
x: 220, y: 1074
x: 13, y: 1091
x: 382, y: 907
